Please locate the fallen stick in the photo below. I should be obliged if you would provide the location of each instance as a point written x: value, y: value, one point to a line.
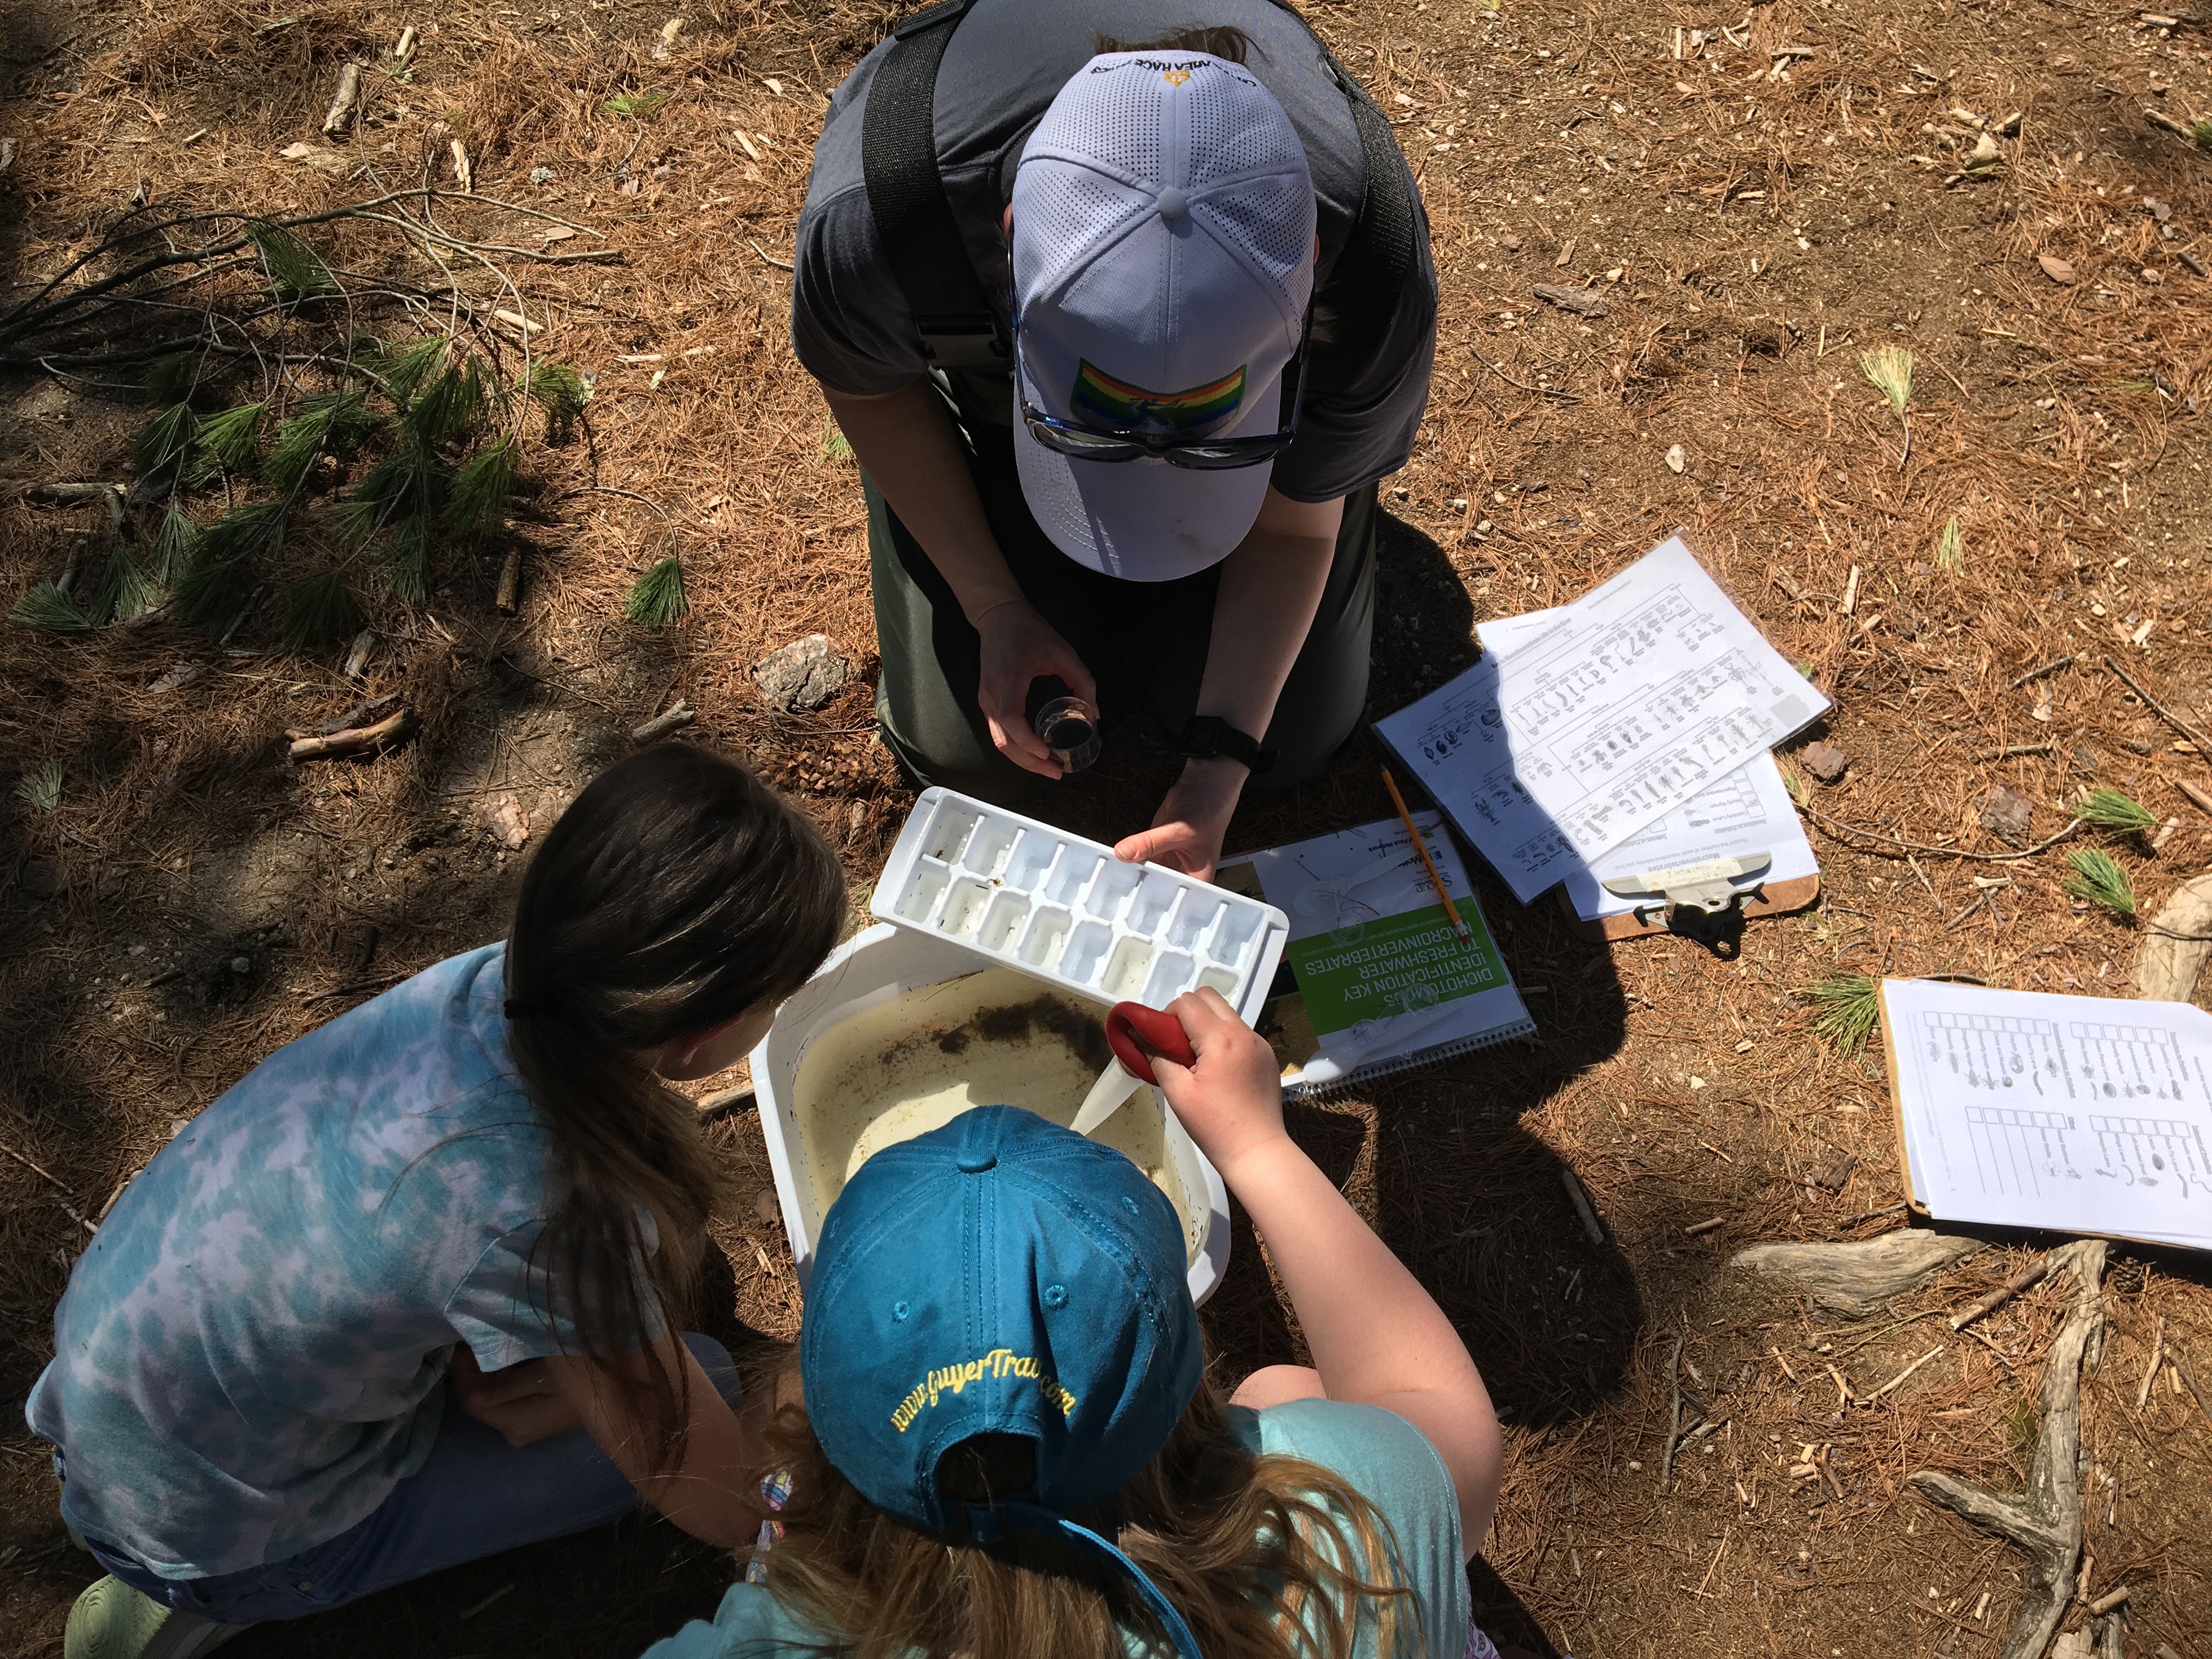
x: 2043, y: 1519
x: 2015, y: 751
x: 392, y: 730
x: 1580, y: 1198
x: 1868, y: 1399
x: 675, y: 719
x: 109, y: 495
x: 66, y: 1208
x: 2157, y: 1358
x: 2033, y: 674
x: 340, y: 116
x: 2189, y: 1383
x: 361, y: 714
x: 2105, y: 1603
x: 2203, y: 744
x: 1675, y: 1424
x: 510, y: 580
x: 40, y: 1168
x: 729, y: 1100
x: 1835, y: 828
x: 2198, y: 797
x: 2026, y: 1278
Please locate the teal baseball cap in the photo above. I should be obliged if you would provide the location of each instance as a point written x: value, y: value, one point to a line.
x: 1001, y: 1275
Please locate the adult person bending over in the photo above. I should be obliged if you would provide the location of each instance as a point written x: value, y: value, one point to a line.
x: 1122, y: 340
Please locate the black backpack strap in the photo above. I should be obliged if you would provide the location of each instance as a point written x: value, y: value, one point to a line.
x: 905, y: 194
x: 1379, y: 257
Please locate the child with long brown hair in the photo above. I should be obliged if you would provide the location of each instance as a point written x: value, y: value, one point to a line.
x: 413, y: 1292
x: 1007, y: 1448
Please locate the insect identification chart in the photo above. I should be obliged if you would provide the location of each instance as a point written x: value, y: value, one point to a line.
x: 1747, y: 811
x: 2075, y: 1114
x: 1564, y: 741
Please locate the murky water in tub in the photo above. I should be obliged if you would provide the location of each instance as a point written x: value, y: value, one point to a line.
x: 917, y: 1061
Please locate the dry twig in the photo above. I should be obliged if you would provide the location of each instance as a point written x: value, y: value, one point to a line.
x: 392, y: 730
x: 2203, y: 744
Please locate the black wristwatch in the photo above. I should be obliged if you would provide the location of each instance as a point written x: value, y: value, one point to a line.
x: 1206, y: 736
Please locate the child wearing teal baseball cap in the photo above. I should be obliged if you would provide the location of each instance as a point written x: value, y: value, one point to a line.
x: 1008, y: 1447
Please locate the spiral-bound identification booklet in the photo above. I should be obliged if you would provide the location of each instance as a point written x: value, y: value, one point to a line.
x: 1375, y: 979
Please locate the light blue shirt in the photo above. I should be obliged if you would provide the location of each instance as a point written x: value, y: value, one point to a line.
x: 1376, y: 1452
x: 248, y: 1357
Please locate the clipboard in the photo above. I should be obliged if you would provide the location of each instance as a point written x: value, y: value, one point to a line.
x: 1772, y: 898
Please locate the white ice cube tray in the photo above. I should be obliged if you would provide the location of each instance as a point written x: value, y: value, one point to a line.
x: 1067, y: 911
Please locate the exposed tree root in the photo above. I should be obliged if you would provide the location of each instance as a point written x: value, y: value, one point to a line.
x: 1858, y: 1279
x: 2046, y: 1520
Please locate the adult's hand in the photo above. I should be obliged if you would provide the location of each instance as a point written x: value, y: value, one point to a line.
x: 1020, y: 646
x: 522, y: 1402
x: 1186, y: 831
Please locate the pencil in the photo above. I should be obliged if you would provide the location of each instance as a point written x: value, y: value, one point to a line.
x: 1421, y: 846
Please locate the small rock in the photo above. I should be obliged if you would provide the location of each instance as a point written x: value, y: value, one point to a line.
x: 1510, y: 243
x: 2157, y: 209
x: 1677, y: 458
x: 541, y: 176
x: 2059, y: 270
x: 41, y: 877
x: 506, y: 822
x: 2136, y: 745
x: 803, y: 675
x: 1986, y: 149
x: 1824, y: 761
x: 1582, y: 301
x: 177, y: 678
x: 2083, y: 763
x: 2006, y: 814
x: 765, y: 1206
x: 242, y: 965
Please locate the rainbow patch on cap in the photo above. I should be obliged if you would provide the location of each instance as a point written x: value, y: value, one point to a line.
x: 1121, y: 407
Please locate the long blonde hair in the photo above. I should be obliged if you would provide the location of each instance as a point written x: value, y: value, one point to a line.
x: 1263, y: 1556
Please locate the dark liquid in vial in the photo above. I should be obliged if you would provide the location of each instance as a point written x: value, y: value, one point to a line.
x: 1069, y: 731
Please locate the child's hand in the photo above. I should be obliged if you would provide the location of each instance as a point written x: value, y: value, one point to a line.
x: 523, y: 1402
x: 1231, y: 1102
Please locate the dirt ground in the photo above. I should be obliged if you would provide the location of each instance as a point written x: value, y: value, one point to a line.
x: 1757, y: 199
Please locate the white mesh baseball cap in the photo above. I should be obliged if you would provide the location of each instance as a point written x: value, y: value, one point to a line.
x: 1162, y: 259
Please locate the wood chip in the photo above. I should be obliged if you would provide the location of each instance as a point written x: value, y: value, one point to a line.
x: 1582, y: 301
x: 314, y: 155
x: 340, y: 115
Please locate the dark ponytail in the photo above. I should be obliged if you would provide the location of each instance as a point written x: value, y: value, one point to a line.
x: 675, y: 893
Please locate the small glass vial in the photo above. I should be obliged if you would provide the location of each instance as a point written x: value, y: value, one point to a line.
x: 1069, y: 727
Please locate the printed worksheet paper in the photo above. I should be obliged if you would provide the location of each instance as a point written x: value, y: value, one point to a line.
x: 1556, y: 749
x: 1747, y: 811
x: 2076, y: 1114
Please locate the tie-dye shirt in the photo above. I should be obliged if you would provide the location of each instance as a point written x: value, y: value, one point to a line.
x: 248, y: 1357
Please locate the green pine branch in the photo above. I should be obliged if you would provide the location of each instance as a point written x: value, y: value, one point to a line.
x: 49, y: 610
x: 2098, y: 879
x: 658, y: 600
x: 1846, y: 1008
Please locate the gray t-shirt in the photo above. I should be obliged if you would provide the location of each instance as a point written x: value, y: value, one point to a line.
x: 850, y: 323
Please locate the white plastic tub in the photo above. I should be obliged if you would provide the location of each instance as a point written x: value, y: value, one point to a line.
x: 885, y: 963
